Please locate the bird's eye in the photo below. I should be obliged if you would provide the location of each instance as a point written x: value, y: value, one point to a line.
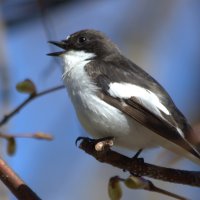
x: 82, y: 39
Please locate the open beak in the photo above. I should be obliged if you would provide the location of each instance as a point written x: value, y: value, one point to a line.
x: 60, y: 44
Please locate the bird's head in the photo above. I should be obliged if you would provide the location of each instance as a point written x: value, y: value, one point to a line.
x: 88, y: 41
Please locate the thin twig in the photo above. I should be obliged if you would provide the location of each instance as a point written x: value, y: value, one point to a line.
x: 139, y: 168
x: 7, y: 175
x: 8, y: 116
x: 15, y: 184
x: 154, y: 188
x: 37, y: 135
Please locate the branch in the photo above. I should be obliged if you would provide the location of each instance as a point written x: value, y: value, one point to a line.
x: 33, y: 96
x: 15, y: 184
x: 138, y: 167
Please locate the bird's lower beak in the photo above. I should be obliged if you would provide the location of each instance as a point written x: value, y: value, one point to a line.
x: 60, y: 44
x: 59, y: 53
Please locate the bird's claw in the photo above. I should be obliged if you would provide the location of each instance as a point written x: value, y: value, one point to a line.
x: 83, y: 138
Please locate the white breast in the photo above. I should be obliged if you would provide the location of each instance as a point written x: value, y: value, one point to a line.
x: 94, y: 114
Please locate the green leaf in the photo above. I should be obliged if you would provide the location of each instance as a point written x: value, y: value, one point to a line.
x: 11, y: 146
x: 27, y: 86
x: 114, y: 188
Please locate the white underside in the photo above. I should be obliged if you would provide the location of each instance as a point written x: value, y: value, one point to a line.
x: 101, y: 119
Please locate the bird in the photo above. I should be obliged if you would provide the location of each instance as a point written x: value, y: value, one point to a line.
x: 114, y: 97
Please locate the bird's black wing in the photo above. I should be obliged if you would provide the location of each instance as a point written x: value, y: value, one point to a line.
x: 172, y: 126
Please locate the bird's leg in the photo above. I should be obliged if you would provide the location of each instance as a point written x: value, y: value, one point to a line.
x: 135, y: 157
x: 137, y: 154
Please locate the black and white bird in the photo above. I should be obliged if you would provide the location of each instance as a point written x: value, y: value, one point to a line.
x: 114, y: 97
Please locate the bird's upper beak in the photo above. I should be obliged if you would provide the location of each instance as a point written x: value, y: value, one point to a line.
x: 61, y: 44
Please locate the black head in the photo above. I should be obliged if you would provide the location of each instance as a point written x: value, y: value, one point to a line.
x: 91, y: 41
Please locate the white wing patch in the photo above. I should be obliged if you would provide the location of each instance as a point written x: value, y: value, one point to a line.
x: 146, y: 97
x: 180, y: 132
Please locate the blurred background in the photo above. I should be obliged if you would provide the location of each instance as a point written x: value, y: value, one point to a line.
x: 160, y: 36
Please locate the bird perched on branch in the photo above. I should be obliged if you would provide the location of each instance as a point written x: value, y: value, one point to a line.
x: 114, y: 97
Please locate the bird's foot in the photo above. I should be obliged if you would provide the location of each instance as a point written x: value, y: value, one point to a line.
x: 104, y: 143
x: 100, y: 143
